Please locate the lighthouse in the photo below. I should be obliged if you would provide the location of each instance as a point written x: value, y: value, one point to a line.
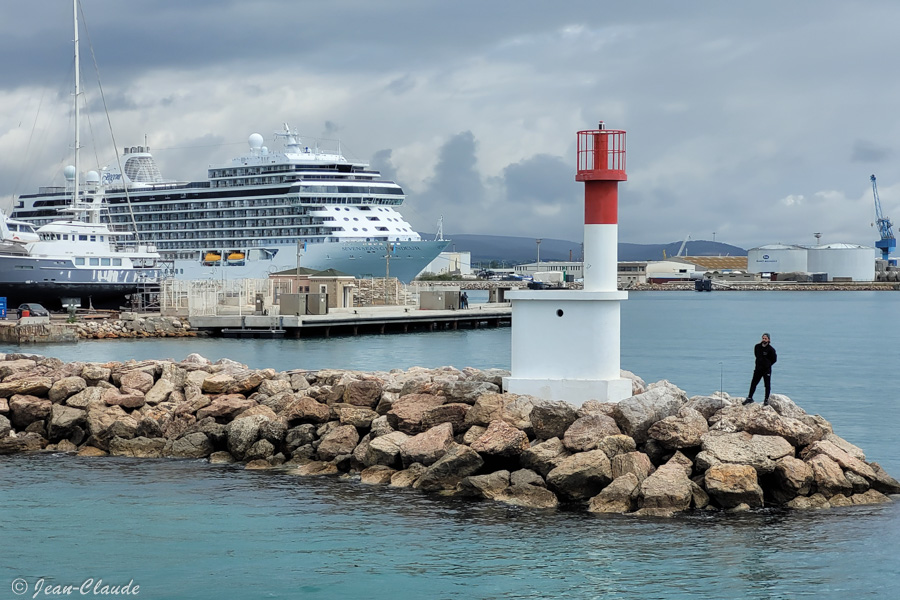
x: 566, y: 343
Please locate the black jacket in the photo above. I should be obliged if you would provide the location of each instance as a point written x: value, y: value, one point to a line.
x: 765, y: 357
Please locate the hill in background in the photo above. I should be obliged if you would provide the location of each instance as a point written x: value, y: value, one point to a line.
x: 516, y: 250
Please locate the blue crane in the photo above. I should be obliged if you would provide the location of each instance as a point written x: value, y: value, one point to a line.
x: 885, y: 229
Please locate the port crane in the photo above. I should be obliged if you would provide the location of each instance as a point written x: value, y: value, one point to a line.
x: 887, y: 242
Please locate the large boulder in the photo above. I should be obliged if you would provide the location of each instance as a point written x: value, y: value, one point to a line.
x: 614, y: 445
x: 758, y: 451
x: 709, y: 405
x: 63, y: 421
x: 581, y: 476
x: 139, y: 447
x: 126, y: 398
x: 242, y: 433
x: 485, y: 486
x: 587, y: 432
x: 841, y: 457
x: 829, y: 477
x: 528, y: 496
x: 501, y: 440
x: 407, y: 413
x: 793, y: 478
x: 514, y: 409
x: 635, y: 415
x: 29, y: 386
x: 159, y: 392
x: 5, y: 426
x: 666, y: 491
x: 551, y: 418
x: 457, y: 463
x: 358, y: 416
x: 428, y: 447
x: 385, y: 449
x: 468, y: 391
x: 635, y: 463
x: 136, y: 380
x: 65, y: 387
x: 732, y: 484
x: 618, y: 497
x: 363, y: 392
x: 544, y: 456
x: 306, y: 409
x: 453, y: 413
x: 191, y: 445
x: 226, y: 406
x: 682, y: 430
x: 25, y: 409
x: 23, y: 442
x: 340, y: 440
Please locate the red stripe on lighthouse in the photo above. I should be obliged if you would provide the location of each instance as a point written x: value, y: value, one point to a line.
x: 601, y: 203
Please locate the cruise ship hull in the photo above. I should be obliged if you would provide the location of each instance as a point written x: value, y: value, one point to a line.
x: 403, y: 260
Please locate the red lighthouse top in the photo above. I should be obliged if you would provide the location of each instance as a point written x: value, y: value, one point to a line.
x: 601, y: 155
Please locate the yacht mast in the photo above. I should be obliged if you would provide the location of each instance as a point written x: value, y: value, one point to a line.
x: 77, y: 90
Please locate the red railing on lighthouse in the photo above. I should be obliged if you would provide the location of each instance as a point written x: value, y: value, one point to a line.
x: 601, y: 155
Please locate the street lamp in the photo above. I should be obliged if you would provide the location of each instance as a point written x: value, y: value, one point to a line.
x: 538, y: 253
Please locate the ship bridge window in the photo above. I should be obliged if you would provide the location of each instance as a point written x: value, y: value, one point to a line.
x: 82, y: 238
x: 104, y: 262
x: 95, y: 262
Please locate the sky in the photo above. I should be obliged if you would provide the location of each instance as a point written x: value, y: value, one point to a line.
x: 747, y: 122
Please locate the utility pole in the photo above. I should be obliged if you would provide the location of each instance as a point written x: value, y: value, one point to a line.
x: 538, y: 254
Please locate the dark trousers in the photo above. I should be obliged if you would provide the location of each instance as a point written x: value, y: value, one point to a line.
x: 767, y: 381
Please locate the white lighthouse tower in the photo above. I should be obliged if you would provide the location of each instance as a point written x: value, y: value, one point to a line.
x: 566, y: 343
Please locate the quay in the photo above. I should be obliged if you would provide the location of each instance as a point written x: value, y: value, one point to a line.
x: 354, y: 321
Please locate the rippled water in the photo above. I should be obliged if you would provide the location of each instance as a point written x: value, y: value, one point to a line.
x: 184, y: 529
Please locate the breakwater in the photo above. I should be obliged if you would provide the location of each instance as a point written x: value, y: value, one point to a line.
x: 444, y: 431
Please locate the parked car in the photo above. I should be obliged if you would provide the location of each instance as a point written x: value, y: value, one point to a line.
x: 34, y: 310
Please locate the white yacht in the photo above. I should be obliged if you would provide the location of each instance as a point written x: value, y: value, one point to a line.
x: 262, y: 213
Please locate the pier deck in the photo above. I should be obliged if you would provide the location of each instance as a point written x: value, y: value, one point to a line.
x: 377, y: 319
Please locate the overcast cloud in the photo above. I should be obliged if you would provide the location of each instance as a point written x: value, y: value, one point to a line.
x: 760, y: 121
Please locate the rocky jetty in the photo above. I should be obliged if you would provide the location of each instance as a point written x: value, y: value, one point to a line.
x: 130, y: 325
x: 444, y: 431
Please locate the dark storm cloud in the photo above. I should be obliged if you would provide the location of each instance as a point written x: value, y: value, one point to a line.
x: 865, y: 151
x: 381, y: 161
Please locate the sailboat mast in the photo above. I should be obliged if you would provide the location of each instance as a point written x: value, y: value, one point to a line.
x: 77, y: 91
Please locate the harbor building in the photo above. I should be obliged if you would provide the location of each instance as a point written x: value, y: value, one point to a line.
x: 834, y: 262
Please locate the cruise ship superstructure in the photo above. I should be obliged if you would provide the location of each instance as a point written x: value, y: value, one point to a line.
x: 264, y: 212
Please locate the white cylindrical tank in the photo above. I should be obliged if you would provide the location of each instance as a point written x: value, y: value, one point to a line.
x: 843, y: 260
x: 777, y: 258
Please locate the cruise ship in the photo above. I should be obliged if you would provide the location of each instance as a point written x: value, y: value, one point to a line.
x: 262, y: 213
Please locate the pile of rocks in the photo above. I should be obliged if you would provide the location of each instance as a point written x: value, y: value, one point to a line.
x: 133, y: 326
x: 443, y: 430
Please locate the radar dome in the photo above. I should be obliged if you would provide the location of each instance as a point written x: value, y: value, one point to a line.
x: 264, y: 150
x: 92, y: 177
x: 255, y: 140
x: 69, y: 173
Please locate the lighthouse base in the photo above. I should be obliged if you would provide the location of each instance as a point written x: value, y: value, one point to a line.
x: 565, y: 346
x: 573, y: 391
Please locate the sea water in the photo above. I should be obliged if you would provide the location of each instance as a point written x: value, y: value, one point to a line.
x: 185, y: 529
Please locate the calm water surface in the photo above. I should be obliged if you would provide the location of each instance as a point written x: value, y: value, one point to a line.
x: 184, y: 529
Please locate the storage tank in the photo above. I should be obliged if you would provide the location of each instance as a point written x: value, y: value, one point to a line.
x: 777, y: 258
x: 844, y: 261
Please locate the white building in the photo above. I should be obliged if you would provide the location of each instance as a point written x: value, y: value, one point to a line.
x: 571, y: 269
x: 661, y: 271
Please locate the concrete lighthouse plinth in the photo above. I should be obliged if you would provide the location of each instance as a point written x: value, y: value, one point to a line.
x: 565, y: 346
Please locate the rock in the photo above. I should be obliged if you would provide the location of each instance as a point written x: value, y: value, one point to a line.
x: 683, y: 461
x: 581, y: 476
x: 221, y: 458
x: 544, y: 456
x: 511, y: 408
x: 614, y: 445
x: 139, y: 447
x: 587, y: 432
x: 763, y: 420
x: 528, y: 496
x: 306, y: 409
x: 550, y: 419
x: 33, y: 385
x: 828, y: 476
x: 468, y: 392
x: 191, y: 445
x: 854, y: 451
x: 91, y: 451
x: 840, y: 457
x: 816, y: 501
x: 159, y: 392
x: 227, y: 406
x: 699, y: 497
x: 785, y: 407
x: 708, y: 405
x: 258, y: 464
x: 242, y: 433
x: 357, y: 416
x: 758, y: 451
x: 275, y: 387
x: 5, y: 426
x: 124, y: 427
x: 299, y: 436
x: 385, y: 449
x: 66, y: 446
x: 635, y: 415
x: 860, y: 484
x: 340, y: 440
x: 260, y: 450
x: 114, y: 397
x: 617, y: 497
x: 136, y: 380
x: 638, y: 386
x: 839, y: 500
x: 595, y: 407
x: 428, y: 447
x: 883, y: 482
x: 407, y: 413
x: 274, y: 430
x: 4, y: 406
x: 636, y: 463
x: 366, y: 392
x: 407, y: 477
x: 85, y: 397
x: 501, y: 440
x: 377, y: 475
x: 25, y: 410
x: 526, y: 477
x: 666, y: 490
x: 63, y: 420
x: 459, y: 462
x: 94, y: 374
x: 453, y: 413
x: 473, y: 433
x: 683, y: 430
x: 316, y: 467
x: 732, y: 484
x: 485, y: 486
x: 65, y: 387
x: 794, y: 478
x: 23, y: 442
x: 8, y: 367
x: 869, y: 497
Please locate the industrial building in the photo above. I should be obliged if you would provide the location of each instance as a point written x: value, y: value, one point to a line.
x: 833, y: 262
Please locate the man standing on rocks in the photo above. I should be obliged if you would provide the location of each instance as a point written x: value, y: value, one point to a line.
x: 765, y: 358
